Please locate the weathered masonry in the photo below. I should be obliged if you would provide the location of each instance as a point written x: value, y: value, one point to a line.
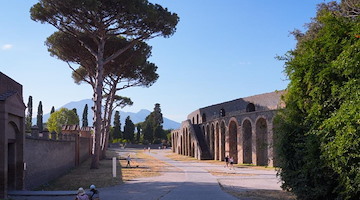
x: 28, y: 160
x: 241, y: 128
x: 12, y: 135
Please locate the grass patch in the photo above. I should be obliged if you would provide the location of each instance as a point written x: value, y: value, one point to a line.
x: 261, y: 194
x: 83, y: 176
x: 142, y: 165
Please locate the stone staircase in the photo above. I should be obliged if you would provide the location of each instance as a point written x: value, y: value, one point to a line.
x: 204, y: 148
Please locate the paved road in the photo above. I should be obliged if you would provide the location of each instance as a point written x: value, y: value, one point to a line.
x: 182, y: 180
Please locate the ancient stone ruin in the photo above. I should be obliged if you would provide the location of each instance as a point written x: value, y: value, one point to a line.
x: 241, y: 128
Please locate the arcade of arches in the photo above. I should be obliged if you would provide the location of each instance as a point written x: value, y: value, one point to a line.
x: 248, y: 142
x: 242, y: 129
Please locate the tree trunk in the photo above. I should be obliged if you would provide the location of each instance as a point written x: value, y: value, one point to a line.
x: 97, y: 103
x: 107, y: 120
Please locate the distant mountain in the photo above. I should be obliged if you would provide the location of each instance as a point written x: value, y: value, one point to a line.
x: 135, y: 117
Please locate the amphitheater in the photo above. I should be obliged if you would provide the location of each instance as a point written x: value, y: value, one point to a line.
x: 241, y: 128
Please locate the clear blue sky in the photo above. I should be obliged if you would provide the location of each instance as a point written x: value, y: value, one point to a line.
x: 222, y: 50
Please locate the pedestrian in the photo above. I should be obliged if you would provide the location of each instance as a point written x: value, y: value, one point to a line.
x: 231, y: 160
x: 128, y: 161
x: 226, y: 161
x: 81, y: 195
x: 94, y: 193
x: 149, y: 149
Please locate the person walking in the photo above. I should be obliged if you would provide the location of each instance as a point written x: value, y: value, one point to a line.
x: 231, y: 160
x: 226, y: 161
x: 128, y: 161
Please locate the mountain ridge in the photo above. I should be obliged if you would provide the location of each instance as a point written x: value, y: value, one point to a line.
x: 135, y: 117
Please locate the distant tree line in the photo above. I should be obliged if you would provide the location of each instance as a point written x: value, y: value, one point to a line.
x: 149, y: 131
x: 56, y: 120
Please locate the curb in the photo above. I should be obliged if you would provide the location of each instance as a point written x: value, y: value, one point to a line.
x: 41, y: 193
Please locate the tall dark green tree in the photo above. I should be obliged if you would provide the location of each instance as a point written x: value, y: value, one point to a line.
x: 154, y: 122
x: 138, y: 132
x: 158, y: 117
x: 158, y: 134
x: 100, y: 21
x: 39, y: 118
x: 77, y: 116
x: 85, y: 122
x: 29, y: 114
x: 129, y: 129
x: 117, y: 126
x: 52, y: 110
x: 147, y: 132
x: 318, y: 133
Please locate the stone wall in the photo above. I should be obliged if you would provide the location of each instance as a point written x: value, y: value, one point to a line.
x: 46, y: 160
x: 85, y: 145
x: 12, y: 126
x: 48, y: 157
x: 241, y: 128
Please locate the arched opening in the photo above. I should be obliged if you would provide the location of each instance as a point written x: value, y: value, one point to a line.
x: 203, y: 118
x: 233, y: 141
x: 247, y: 142
x: 193, y: 121
x: 197, y: 119
x: 217, y: 142
x: 13, y: 133
x: 222, y: 140
x: 208, y: 135
x: 222, y: 112
x: 181, y: 145
x: 193, y: 150
x: 212, y: 141
x: 261, y: 142
x: 250, y: 107
x: 188, y: 143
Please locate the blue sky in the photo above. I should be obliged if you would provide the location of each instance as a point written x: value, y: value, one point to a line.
x: 222, y: 50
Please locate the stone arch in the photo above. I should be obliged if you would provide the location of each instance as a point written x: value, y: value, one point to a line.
x: 247, y: 141
x: 188, y: 142
x: 217, y: 142
x: 197, y: 118
x: 212, y: 140
x: 261, y: 142
x: 222, y: 140
x: 192, y: 150
x: 181, y: 145
x: 207, y: 134
x: 233, y: 140
x: 250, y: 107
